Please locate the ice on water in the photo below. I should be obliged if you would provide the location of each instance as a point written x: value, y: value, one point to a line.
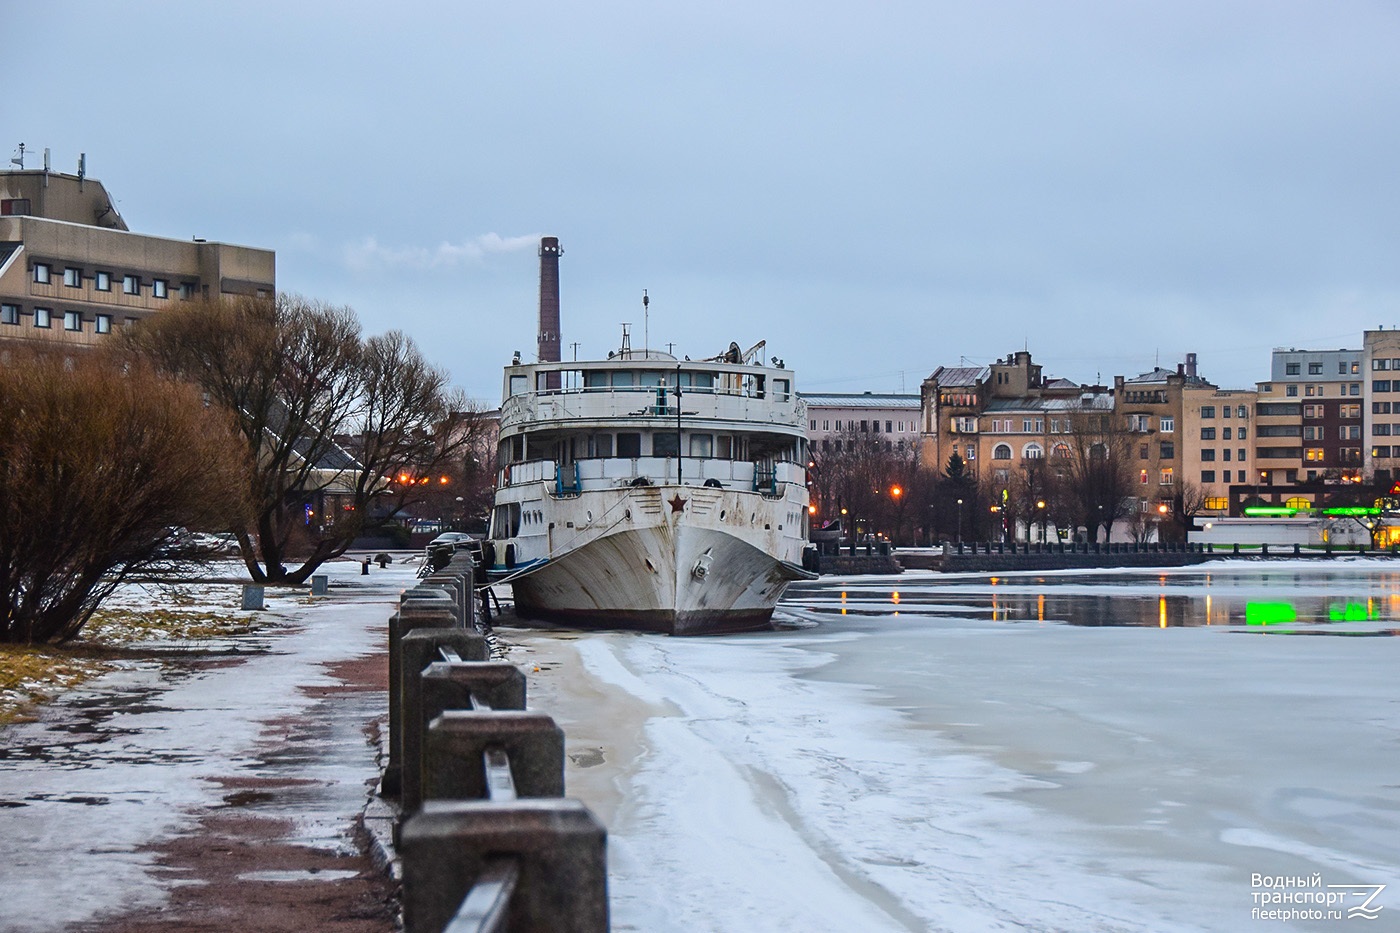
x: 961, y: 757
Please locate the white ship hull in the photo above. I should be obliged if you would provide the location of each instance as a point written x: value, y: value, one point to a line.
x: 682, y: 560
x: 643, y: 491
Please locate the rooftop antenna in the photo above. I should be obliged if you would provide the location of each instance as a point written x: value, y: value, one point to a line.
x: 82, y: 169
x: 575, y: 346
x: 646, y: 321
x: 626, y: 339
x: 20, y: 160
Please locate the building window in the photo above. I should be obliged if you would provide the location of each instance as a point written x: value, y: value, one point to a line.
x: 9, y: 314
x: 72, y: 277
x: 1241, y: 412
x: 1240, y: 434
x: 1349, y: 432
x: 1380, y: 408
x: 1208, y: 454
x: 1380, y: 385
x: 1292, y: 369
x: 1355, y: 389
x: 103, y: 282
x: 814, y: 424
x: 131, y: 285
x: 1380, y: 430
x: 1314, y: 369
x: 1314, y: 432
x: 1207, y: 434
x: 1312, y: 411
x: 971, y: 453
x: 1142, y: 477
x: 1290, y: 391
x: 1313, y: 454
x: 1207, y: 476
x: 159, y: 289
x: 103, y: 324
x: 1001, y: 452
x: 1349, y: 412
x: 1207, y: 411
x: 888, y: 424
x: 186, y: 291
x: 1144, y: 452
x: 1225, y: 434
x: 1218, y: 503
x: 42, y: 316
x: 865, y: 426
x: 1033, y: 452
x: 72, y: 320
x: 41, y: 273
x: 1383, y: 452
x: 1241, y: 455
x: 1168, y: 450
x: 1166, y: 425
x: 1168, y: 477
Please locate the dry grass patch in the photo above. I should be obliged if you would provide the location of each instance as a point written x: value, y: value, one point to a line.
x: 30, y: 676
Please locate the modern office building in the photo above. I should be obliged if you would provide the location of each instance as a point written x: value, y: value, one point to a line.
x: 72, y: 273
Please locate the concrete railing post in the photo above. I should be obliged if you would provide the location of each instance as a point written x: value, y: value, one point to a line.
x: 560, y: 846
x: 457, y: 740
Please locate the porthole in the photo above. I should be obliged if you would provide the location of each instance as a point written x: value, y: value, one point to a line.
x: 721, y: 514
x: 650, y: 565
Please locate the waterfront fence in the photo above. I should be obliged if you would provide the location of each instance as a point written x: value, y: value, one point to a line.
x: 487, y: 840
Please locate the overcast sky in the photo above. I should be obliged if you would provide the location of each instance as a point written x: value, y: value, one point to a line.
x: 875, y: 189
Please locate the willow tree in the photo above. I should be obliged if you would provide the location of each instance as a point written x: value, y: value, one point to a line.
x: 99, y: 466
x: 321, y: 412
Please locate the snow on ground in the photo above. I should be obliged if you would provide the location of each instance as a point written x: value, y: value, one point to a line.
x: 936, y: 764
x: 116, y: 765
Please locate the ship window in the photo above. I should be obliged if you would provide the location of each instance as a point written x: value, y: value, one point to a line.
x: 702, y: 445
x: 698, y: 380
x: 622, y: 378
x: 600, y: 445
x: 647, y: 379
x: 595, y: 380
x: 505, y: 521
x: 724, y: 448
x: 629, y: 444
x: 665, y: 444
x: 519, y: 385
x: 780, y: 389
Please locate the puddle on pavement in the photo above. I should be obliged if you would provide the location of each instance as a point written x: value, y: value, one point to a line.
x: 334, y: 874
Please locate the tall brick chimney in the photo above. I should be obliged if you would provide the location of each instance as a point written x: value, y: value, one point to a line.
x: 550, y: 251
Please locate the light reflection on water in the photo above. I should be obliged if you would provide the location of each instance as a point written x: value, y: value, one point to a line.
x: 1359, y: 601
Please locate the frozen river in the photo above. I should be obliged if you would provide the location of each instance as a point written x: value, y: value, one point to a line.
x: 1116, y: 752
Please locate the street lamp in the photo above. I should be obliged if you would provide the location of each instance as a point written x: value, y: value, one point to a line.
x: 1040, y: 506
x: 960, y: 521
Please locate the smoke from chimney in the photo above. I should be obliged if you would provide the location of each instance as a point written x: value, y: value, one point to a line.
x: 550, y: 251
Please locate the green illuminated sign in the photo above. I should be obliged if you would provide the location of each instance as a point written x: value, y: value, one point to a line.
x: 1355, y: 510
x: 1265, y: 510
x: 1269, y: 613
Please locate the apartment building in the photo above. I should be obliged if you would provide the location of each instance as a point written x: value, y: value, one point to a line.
x: 1309, y: 430
x: 999, y: 416
x: 888, y: 418
x: 1381, y: 404
x: 72, y: 273
x: 1217, y: 444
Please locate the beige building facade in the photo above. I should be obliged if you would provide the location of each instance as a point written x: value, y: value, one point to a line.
x: 72, y: 273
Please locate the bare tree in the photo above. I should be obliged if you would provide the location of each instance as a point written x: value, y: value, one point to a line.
x: 99, y: 465
x: 293, y: 375
x: 1099, y: 468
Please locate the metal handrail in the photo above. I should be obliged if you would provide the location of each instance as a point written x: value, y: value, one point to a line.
x: 486, y: 908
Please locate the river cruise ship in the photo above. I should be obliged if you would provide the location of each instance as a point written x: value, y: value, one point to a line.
x: 649, y: 492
